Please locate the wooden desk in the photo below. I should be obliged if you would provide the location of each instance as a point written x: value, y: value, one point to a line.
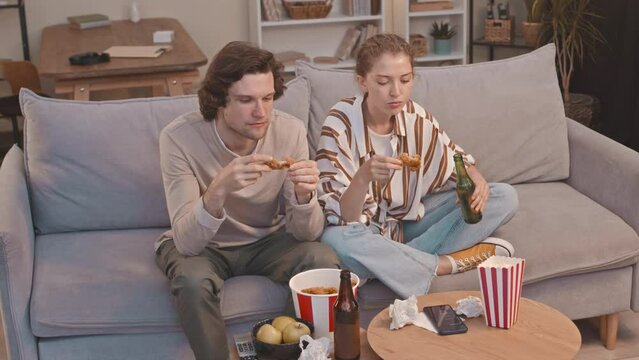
x: 540, y: 332
x: 171, y: 71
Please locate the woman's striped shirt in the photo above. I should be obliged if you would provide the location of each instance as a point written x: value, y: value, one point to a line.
x: 345, y: 145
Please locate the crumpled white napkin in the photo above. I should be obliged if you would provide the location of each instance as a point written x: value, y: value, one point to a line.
x: 470, y: 306
x: 316, y: 349
x: 405, y: 312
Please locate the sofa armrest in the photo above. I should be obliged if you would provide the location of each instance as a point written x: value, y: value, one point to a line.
x: 605, y: 171
x: 16, y: 257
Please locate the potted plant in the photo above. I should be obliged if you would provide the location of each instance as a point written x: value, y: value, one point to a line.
x: 531, y: 28
x: 442, y: 32
x: 570, y: 26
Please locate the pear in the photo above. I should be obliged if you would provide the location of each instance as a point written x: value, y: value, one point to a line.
x: 294, y: 331
x: 268, y: 334
x: 281, y: 322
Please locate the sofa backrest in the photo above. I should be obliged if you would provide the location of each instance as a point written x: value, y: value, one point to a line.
x: 96, y: 165
x: 508, y: 113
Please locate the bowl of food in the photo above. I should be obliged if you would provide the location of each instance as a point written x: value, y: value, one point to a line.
x: 278, y: 337
x: 314, y: 294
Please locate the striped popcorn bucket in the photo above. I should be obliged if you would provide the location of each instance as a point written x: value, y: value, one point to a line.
x: 318, y: 309
x: 500, y: 280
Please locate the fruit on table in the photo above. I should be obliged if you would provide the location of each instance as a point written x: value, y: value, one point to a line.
x: 281, y: 322
x: 269, y: 334
x: 294, y: 331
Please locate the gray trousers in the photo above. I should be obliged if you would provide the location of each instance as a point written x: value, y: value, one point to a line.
x: 195, y: 281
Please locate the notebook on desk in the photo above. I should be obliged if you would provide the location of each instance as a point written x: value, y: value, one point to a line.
x: 152, y: 51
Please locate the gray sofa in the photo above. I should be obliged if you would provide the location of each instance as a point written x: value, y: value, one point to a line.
x: 81, y: 207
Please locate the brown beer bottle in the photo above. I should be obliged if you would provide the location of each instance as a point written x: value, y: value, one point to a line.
x: 465, y: 190
x: 346, y: 317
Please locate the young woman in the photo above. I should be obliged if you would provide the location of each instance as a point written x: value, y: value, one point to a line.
x: 398, y: 224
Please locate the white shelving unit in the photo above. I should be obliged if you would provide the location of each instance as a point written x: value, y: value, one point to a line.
x: 406, y: 23
x: 314, y: 37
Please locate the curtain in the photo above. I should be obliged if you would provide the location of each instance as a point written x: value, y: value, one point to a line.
x: 613, y: 76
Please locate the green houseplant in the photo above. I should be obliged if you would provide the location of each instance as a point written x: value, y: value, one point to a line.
x: 535, y: 10
x: 569, y: 24
x: 442, y: 32
x: 571, y: 28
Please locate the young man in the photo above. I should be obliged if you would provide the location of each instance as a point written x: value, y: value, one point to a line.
x: 224, y: 201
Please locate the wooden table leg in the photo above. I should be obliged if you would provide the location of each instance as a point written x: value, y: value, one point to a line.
x: 608, y: 325
x: 175, y: 85
x: 603, y: 328
x: 611, y: 330
x: 81, y: 91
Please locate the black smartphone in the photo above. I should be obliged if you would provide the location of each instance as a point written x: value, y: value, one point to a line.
x: 446, y: 321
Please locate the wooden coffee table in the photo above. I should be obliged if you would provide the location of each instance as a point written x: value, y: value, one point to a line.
x: 540, y: 332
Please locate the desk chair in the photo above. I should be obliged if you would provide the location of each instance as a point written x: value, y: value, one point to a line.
x: 18, y: 74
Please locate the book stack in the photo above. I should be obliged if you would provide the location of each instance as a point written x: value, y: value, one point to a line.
x: 88, y: 21
x: 366, y: 31
x: 348, y: 42
x: 271, y: 10
x: 361, y: 7
x: 353, y: 40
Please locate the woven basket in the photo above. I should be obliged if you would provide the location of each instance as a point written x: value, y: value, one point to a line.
x: 531, y: 32
x: 584, y: 109
x: 419, y: 44
x: 308, y: 9
x: 499, y: 30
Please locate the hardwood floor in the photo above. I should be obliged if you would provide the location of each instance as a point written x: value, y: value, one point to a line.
x: 627, y: 339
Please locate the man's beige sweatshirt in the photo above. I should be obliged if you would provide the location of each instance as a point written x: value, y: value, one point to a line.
x: 192, y: 154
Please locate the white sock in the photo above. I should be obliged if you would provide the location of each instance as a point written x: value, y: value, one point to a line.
x: 454, y: 268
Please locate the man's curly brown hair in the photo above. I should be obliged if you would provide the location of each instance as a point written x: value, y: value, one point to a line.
x: 235, y: 60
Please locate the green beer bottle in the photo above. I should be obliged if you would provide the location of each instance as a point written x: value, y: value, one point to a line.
x: 465, y: 190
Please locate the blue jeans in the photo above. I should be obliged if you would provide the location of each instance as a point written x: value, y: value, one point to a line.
x: 409, y: 268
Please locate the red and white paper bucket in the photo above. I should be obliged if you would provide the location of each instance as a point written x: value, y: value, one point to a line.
x: 500, y: 280
x: 317, y: 309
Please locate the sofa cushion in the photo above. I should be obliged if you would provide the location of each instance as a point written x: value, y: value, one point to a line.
x: 96, y: 165
x: 327, y: 87
x: 507, y: 113
x: 107, y: 282
x: 553, y: 231
x: 296, y: 99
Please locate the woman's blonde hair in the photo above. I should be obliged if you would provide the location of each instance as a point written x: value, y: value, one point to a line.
x: 374, y: 47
